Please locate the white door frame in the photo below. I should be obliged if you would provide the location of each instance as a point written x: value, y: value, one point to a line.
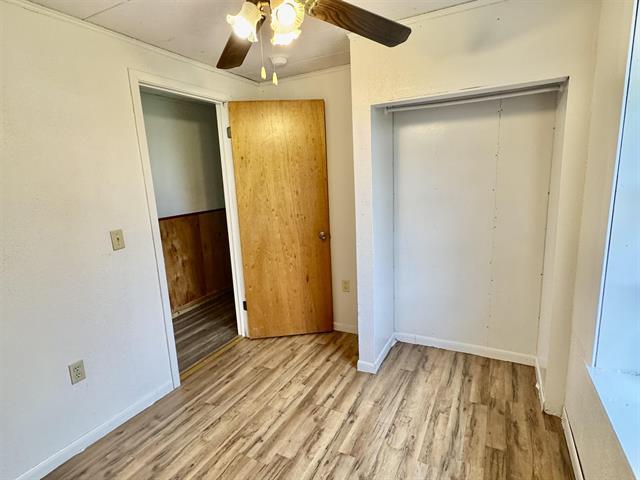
x: 138, y: 79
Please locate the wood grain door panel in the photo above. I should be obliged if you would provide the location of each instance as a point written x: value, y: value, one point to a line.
x: 279, y: 152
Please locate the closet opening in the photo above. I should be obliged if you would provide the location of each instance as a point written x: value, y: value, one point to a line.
x: 464, y: 208
x: 187, y: 175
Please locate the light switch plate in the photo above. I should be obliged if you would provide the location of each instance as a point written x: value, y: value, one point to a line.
x: 117, y: 239
x: 76, y: 372
x: 346, y: 286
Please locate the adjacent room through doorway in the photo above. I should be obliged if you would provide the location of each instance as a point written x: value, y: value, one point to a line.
x: 184, y: 151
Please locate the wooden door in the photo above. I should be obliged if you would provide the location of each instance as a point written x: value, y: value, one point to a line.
x: 280, y: 164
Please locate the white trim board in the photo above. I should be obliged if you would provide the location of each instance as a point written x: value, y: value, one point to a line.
x: 233, y: 220
x: 479, y: 350
x: 89, y: 438
x: 369, y: 367
x: 540, y: 388
x: 539, y: 383
x: 482, y: 351
x: 571, y: 446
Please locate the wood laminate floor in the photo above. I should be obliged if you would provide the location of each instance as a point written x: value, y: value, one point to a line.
x: 203, y: 330
x: 295, y: 408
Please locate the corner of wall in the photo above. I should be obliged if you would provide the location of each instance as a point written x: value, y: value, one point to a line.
x: 373, y: 367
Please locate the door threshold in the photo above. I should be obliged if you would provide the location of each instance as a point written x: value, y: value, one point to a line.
x: 208, y: 359
x: 188, y: 307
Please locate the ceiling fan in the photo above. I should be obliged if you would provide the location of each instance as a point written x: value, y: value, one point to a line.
x: 287, y: 17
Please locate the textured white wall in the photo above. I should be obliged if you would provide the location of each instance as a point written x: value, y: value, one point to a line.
x: 487, y: 44
x: 66, y: 295
x: 63, y: 189
x: 600, y: 454
x: 334, y: 87
x: 381, y: 338
x: 184, y: 151
x: 71, y: 171
x: 501, y: 43
x: 471, y: 184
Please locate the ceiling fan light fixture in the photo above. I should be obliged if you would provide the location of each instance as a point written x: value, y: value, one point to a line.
x: 284, y: 39
x: 286, y: 25
x: 245, y: 23
x: 286, y: 18
x: 285, y: 12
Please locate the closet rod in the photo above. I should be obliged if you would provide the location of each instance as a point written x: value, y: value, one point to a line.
x: 472, y: 99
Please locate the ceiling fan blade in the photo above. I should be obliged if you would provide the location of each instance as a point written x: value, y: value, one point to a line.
x: 360, y: 21
x: 236, y: 50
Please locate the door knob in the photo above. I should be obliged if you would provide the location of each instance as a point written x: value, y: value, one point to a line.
x: 322, y: 236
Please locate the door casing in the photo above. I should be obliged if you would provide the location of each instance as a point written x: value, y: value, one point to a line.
x: 137, y: 80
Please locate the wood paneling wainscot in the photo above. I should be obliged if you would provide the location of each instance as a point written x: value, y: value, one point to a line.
x: 196, y: 256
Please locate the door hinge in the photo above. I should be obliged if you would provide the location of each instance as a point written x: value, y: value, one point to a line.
x: 228, y: 132
x: 244, y: 305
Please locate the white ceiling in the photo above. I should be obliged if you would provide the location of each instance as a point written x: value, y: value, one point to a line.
x: 198, y: 30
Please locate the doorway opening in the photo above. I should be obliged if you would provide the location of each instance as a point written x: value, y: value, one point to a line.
x: 187, y: 175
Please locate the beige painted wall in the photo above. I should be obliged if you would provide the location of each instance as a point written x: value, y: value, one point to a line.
x: 334, y: 86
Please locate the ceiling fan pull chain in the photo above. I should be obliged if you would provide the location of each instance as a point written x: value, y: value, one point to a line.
x: 263, y: 70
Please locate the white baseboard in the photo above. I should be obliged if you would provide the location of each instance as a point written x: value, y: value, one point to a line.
x: 539, y: 384
x: 369, y: 367
x: 345, y: 327
x: 58, y: 458
x: 571, y: 445
x: 479, y: 350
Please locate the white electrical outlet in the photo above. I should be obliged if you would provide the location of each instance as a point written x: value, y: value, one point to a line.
x: 346, y: 286
x: 117, y: 239
x: 76, y: 372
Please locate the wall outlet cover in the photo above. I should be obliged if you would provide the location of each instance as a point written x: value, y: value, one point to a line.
x: 346, y: 286
x: 117, y: 239
x: 76, y: 372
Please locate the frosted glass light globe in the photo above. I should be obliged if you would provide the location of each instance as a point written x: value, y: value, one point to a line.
x: 244, y: 24
x: 286, y: 14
